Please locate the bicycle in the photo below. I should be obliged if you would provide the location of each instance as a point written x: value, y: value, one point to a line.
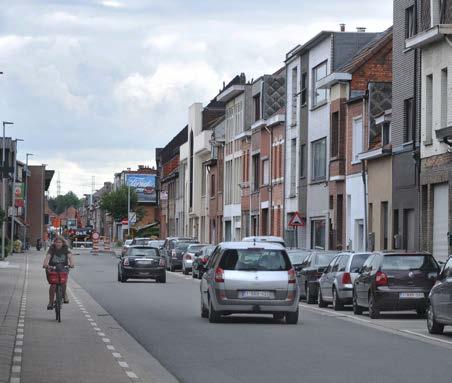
x: 58, y: 278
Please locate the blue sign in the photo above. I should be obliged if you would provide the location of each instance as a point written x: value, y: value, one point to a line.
x: 144, y: 185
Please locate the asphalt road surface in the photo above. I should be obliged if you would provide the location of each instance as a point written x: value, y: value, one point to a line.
x: 165, y: 319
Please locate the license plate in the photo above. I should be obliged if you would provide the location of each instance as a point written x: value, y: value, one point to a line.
x: 256, y: 294
x: 143, y: 273
x: 411, y: 295
x: 145, y: 262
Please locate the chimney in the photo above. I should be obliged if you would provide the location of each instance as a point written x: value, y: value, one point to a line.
x: 435, y: 12
x: 342, y: 26
x: 361, y: 29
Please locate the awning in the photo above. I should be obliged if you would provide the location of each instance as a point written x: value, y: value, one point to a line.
x: 138, y: 228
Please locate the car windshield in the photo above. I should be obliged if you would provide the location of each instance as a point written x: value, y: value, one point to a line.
x: 141, y: 241
x: 297, y: 257
x: 143, y: 252
x: 358, y: 261
x: 254, y: 260
x: 194, y: 248
x: 128, y: 242
x: 409, y: 262
x: 323, y: 259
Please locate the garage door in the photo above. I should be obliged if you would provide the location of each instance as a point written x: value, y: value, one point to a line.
x: 440, y: 221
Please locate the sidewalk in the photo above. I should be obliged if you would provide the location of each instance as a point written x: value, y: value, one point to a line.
x: 87, y: 346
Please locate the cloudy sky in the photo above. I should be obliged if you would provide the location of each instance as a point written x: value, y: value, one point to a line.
x: 93, y: 86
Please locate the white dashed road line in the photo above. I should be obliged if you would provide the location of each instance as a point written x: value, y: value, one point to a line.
x: 107, y: 341
x: 16, y: 367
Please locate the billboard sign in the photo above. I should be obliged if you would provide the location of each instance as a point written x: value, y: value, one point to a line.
x: 19, y: 194
x: 144, y: 185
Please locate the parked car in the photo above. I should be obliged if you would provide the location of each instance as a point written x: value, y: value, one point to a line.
x: 156, y: 243
x: 297, y: 257
x: 336, y: 282
x: 394, y: 281
x: 311, y: 270
x: 265, y: 238
x: 200, y: 261
x: 142, y: 262
x: 140, y: 241
x: 126, y: 245
x: 439, y: 309
x: 169, y: 252
x: 193, y: 251
x: 244, y: 277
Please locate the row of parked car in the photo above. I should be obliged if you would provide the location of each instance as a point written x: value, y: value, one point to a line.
x: 256, y: 275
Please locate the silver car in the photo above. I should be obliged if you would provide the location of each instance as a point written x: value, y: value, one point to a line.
x: 336, y: 282
x: 189, y: 256
x: 249, y: 277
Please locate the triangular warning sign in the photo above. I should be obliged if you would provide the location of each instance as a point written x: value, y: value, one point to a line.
x: 296, y: 220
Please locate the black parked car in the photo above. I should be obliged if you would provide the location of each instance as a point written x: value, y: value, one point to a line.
x: 174, y: 258
x: 394, y: 281
x: 142, y: 262
x: 311, y: 270
x: 200, y: 261
x: 297, y: 257
x: 439, y: 311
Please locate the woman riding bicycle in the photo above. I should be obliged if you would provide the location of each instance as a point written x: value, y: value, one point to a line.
x: 58, y: 257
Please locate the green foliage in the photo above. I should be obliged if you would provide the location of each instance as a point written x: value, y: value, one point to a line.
x: 115, y: 203
x: 62, y: 202
x: 2, y: 215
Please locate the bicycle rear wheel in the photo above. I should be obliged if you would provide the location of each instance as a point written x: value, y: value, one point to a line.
x: 58, y: 299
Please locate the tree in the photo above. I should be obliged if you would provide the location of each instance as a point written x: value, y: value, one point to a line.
x: 115, y: 203
x: 62, y: 202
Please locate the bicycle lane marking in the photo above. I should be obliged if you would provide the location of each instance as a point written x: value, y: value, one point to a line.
x: 116, y: 355
x: 16, y: 367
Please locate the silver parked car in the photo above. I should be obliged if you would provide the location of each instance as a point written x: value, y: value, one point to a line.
x: 336, y: 282
x: 249, y: 277
x: 189, y: 256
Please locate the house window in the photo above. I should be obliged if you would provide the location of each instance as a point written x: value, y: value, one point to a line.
x: 386, y: 133
x: 302, y: 161
x: 294, y: 80
x: 335, y: 134
x: 304, y: 79
x: 428, y: 108
x: 444, y: 99
x: 212, y: 185
x: 409, y: 120
x: 257, y: 107
x: 318, y: 95
x: 384, y: 225
x: 256, y: 172
x: 410, y: 22
x: 318, y: 234
x: 265, y: 172
x: 204, y: 181
x: 319, y: 160
x: 293, y: 165
x: 357, y: 138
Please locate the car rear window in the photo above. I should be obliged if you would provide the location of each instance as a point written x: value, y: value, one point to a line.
x: 297, y: 257
x: 409, y: 262
x: 323, y: 259
x: 358, y: 261
x: 141, y: 241
x: 196, y: 247
x: 182, y: 246
x: 143, y: 252
x: 254, y: 260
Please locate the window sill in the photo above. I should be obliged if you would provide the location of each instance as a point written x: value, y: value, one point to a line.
x: 318, y: 106
x: 318, y: 182
x: 355, y: 162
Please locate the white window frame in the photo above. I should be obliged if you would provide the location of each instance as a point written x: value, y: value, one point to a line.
x: 316, y: 100
x: 357, y: 147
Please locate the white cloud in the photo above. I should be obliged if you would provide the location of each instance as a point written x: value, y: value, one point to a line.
x: 12, y: 43
x: 112, y: 4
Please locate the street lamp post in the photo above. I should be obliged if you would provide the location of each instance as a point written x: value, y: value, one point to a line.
x: 4, y: 186
x: 13, y: 210
x: 26, y: 198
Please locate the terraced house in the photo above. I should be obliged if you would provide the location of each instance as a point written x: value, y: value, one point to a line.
x: 432, y: 41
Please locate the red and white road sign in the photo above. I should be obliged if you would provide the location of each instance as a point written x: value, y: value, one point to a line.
x: 296, y: 220
x: 96, y: 236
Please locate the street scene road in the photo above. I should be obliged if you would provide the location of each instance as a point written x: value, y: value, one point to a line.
x: 324, y: 346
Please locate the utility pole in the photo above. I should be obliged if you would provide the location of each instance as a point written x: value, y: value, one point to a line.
x: 26, y: 198
x: 4, y: 187
x: 13, y: 210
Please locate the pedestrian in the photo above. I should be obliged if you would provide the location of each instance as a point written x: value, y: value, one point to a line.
x: 58, y: 256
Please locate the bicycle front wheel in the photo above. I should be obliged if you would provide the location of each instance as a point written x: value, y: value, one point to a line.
x: 58, y: 301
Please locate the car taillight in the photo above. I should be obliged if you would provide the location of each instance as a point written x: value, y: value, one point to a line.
x: 204, y: 259
x: 292, y: 275
x: 346, y: 279
x: 381, y: 279
x: 219, y: 275
x: 126, y: 262
x: 173, y: 254
x: 162, y: 262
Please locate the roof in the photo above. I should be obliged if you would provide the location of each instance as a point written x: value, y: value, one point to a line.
x: 48, y: 178
x: 367, y: 51
x: 250, y: 245
x: 172, y: 148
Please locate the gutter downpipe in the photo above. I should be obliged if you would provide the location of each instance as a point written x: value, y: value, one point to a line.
x: 270, y: 186
x: 364, y: 178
